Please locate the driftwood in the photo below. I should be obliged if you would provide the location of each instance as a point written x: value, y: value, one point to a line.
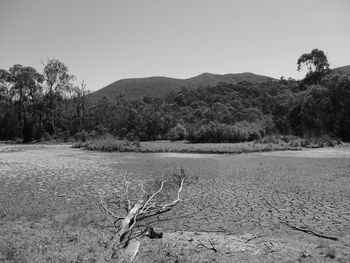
x: 149, y: 203
x: 308, y: 231
x: 253, y: 237
x: 212, y: 248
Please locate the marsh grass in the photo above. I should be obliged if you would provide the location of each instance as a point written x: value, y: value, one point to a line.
x: 111, y: 144
x: 306, y: 142
x: 214, y: 148
x: 108, y: 143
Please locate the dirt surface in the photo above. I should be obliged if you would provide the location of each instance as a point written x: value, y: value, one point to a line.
x: 252, y: 195
x: 336, y: 152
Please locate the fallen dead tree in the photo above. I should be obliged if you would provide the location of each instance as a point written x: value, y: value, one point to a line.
x: 133, y: 203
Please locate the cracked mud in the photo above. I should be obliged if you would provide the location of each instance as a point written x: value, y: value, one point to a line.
x: 249, y: 193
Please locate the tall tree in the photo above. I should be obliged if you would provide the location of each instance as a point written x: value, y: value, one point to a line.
x: 78, y: 97
x: 316, y: 63
x: 8, y: 124
x: 5, y: 87
x: 58, y: 83
x: 25, y: 91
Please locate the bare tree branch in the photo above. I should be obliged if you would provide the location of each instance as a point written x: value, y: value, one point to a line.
x: 180, y: 189
x: 143, y: 204
x: 153, y: 195
x: 106, y: 209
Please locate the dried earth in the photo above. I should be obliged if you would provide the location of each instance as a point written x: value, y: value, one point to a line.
x: 255, y: 210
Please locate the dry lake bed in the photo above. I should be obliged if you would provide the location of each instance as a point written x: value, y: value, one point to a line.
x: 261, y: 207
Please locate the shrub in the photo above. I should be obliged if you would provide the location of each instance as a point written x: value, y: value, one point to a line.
x: 109, y: 143
x: 27, y: 131
x: 279, y: 139
x: 130, y: 136
x: 101, y: 130
x: 322, y: 141
x: 93, y: 134
x: 178, y: 132
x: 64, y: 135
x: 294, y: 141
x: 82, y: 136
x: 216, y: 132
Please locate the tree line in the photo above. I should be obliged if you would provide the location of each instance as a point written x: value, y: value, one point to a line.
x: 36, y: 106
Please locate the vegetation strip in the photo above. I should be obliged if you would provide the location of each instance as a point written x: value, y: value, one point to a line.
x: 111, y: 144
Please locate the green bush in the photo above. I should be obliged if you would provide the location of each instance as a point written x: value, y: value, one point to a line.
x: 279, y: 139
x: 82, y: 136
x: 109, y: 143
x: 27, y: 132
x: 101, y: 130
x: 177, y: 133
x: 217, y: 132
x: 130, y: 136
x: 319, y: 142
x: 307, y: 142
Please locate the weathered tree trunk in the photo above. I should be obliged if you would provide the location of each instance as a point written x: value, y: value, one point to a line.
x: 119, y: 242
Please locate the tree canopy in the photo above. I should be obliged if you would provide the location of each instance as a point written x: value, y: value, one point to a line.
x: 316, y: 63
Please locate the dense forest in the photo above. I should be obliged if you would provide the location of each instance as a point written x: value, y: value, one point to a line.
x: 47, y: 105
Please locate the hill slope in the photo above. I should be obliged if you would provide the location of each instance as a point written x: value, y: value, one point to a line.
x: 344, y: 69
x: 161, y: 86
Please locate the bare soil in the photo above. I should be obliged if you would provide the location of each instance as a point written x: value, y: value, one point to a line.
x: 49, y: 210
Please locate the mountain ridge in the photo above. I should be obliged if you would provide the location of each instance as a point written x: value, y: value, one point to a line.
x: 159, y: 86
x: 343, y: 69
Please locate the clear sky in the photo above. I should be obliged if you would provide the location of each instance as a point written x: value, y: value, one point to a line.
x: 103, y: 41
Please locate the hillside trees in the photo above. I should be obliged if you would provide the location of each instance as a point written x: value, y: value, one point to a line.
x: 235, y: 113
x: 338, y: 86
x: 316, y: 111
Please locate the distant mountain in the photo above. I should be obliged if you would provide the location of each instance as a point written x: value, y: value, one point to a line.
x: 344, y: 69
x: 161, y: 86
